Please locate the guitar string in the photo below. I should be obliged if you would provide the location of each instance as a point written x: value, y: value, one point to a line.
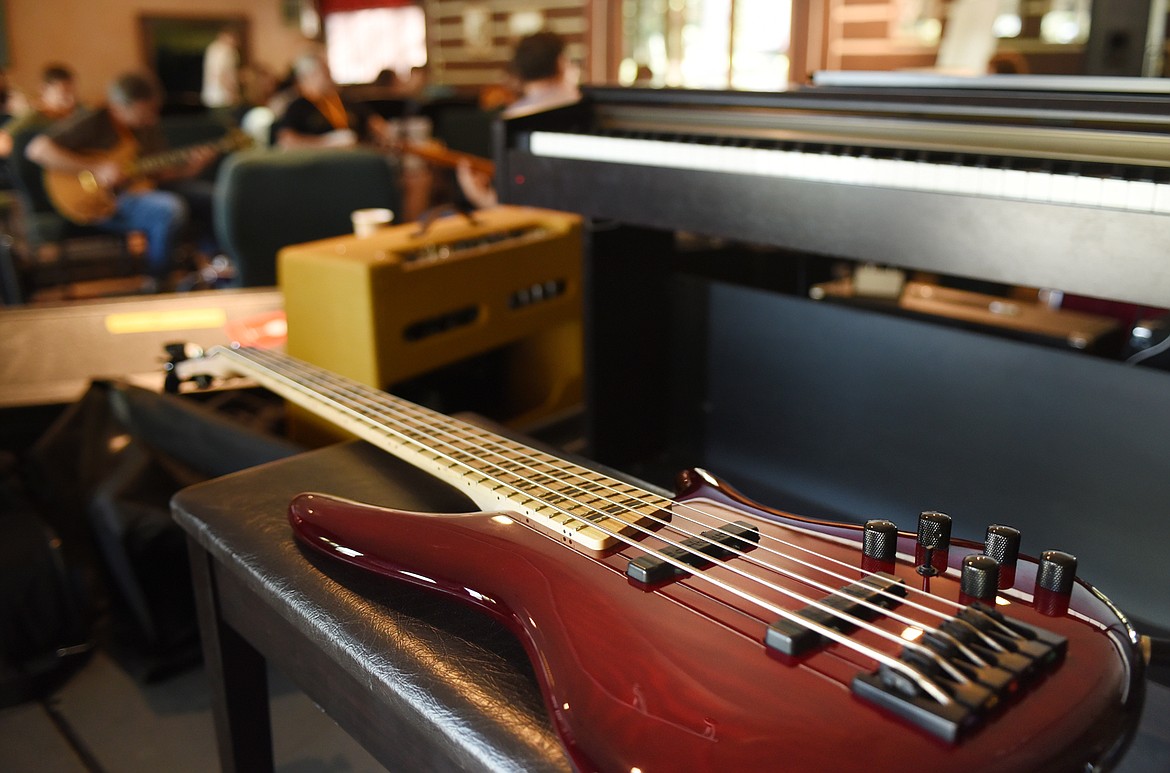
x: 322, y: 376
x: 433, y: 419
x: 487, y: 444
x: 487, y: 439
x: 514, y: 452
x: 924, y: 683
x: 453, y: 427
x: 167, y: 158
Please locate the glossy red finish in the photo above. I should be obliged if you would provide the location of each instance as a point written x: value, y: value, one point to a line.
x: 677, y: 678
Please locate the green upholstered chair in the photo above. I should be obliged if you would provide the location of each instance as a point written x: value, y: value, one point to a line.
x: 268, y: 199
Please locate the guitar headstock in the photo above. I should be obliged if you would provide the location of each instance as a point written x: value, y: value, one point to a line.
x: 188, y: 362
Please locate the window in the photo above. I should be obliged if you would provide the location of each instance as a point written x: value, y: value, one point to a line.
x: 712, y: 44
x: 1066, y: 22
x: 360, y: 44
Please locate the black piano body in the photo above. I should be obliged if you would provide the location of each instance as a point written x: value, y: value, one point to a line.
x: 716, y: 357
x: 1032, y: 187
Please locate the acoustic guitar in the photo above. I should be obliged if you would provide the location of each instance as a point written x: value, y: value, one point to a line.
x: 709, y: 633
x: 79, y: 197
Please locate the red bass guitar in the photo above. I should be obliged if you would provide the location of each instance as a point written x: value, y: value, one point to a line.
x: 708, y: 633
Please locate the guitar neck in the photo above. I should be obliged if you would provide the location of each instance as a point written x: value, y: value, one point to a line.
x: 158, y: 162
x: 163, y: 160
x: 495, y: 472
x: 442, y: 156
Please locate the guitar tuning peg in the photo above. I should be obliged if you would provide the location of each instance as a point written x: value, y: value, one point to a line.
x: 179, y: 352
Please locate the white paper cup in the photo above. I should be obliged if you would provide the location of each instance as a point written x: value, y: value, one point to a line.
x: 366, y: 221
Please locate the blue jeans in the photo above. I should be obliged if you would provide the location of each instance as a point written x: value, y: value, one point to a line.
x: 161, y: 215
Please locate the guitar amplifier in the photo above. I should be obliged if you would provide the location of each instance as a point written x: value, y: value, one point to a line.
x: 412, y: 299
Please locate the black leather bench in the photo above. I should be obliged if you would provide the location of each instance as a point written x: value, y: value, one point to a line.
x: 420, y: 682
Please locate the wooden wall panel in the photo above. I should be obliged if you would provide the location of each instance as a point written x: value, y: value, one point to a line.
x: 863, y: 35
x: 458, y: 61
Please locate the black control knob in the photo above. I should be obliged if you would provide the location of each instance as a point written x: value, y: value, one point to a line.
x: 980, y: 577
x: 1002, y: 544
x: 880, y: 540
x: 934, y: 530
x: 934, y: 536
x: 1057, y: 571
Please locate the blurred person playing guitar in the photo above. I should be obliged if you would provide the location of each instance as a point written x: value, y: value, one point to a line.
x: 320, y: 118
x: 93, y: 152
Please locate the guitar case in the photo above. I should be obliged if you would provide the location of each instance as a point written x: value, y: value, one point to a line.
x: 44, y: 631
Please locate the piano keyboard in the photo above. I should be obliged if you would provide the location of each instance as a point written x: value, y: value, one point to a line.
x: 1050, y: 187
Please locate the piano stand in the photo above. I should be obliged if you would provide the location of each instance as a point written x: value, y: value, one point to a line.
x: 420, y: 682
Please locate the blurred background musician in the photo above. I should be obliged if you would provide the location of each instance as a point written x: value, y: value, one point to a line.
x: 319, y: 117
x: 93, y: 141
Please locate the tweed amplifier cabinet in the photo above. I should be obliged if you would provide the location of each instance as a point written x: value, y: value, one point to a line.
x: 411, y: 299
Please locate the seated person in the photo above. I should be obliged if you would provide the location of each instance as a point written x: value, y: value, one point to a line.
x: 319, y: 117
x: 57, y: 100
x: 92, y: 140
x: 547, y: 79
x: 12, y: 102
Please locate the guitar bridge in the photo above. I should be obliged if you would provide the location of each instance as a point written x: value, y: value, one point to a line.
x: 1012, y: 654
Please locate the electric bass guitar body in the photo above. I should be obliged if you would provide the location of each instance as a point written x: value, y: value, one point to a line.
x: 709, y: 633
x: 677, y: 677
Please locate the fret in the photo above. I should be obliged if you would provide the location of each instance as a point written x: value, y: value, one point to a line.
x: 497, y: 473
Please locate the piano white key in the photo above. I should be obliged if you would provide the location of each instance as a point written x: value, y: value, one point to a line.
x: 803, y: 165
x: 902, y: 174
x: 991, y: 182
x: 947, y: 178
x: 864, y: 171
x: 911, y: 173
x: 846, y: 169
x: 968, y: 179
x: 752, y: 159
x: 772, y: 163
x: 1038, y: 186
x: 1087, y: 191
x: 748, y: 161
x: 1063, y: 189
x: 859, y: 170
x: 1162, y: 198
x: 885, y: 173
x: 710, y: 158
x: 1114, y: 192
x: 1140, y: 196
x: 728, y: 159
x: 834, y: 169
x: 1015, y: 183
